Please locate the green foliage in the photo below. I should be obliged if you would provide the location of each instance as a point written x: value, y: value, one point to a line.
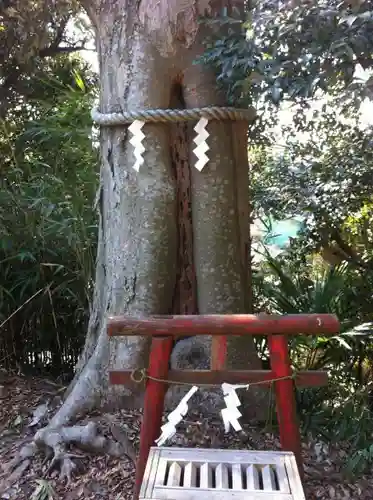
x: 48, y: 227
x: 295, y: 52
x: 318, y: 289
x: 340, y: 412
x: 325, y: 178
x: 292, y: 49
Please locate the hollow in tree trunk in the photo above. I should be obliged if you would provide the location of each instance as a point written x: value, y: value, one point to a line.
x: 171, y: 239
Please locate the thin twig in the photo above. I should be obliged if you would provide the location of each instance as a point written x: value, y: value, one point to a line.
x: 21, y: 306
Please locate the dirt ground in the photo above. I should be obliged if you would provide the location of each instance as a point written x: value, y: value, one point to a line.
x: 102, y: 477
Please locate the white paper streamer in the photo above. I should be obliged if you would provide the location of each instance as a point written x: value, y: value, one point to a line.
x: 231, y: 414
x: 175, y: 417
x: 136, y: 141
x: 202, y: 146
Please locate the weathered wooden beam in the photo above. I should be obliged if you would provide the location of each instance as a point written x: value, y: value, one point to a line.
x: 153, y: 403
x: 285, y: 398
x: 196, y: 377
x: 224, y: 324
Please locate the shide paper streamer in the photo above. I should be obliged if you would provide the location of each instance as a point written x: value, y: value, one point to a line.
x: 201, y: 142
x: 230, y: 414
x: 175, y: 417
x: 136, y: 141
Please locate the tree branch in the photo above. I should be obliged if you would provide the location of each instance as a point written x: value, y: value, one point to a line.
x: 53, y: 51
x: 91, y: 7
x: 348, y: 251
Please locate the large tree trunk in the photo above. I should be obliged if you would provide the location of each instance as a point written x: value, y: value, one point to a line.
x: 147, y: 50
x: 146, y: 264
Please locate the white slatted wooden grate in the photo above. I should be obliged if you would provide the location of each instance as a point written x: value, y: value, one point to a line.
x: 196, y: 473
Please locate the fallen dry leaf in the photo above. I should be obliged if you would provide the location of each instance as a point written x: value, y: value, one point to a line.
x: 113, y: 478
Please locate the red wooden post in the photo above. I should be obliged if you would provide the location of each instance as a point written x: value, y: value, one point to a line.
x: 153, y: 403
x: 218, y: 353
x: 285, y: 398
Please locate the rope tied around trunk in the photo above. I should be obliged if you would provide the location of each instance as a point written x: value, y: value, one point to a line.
x: 139, y: 375
x: 172, y: 115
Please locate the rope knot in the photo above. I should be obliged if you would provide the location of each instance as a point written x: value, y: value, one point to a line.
x: 138, y: 375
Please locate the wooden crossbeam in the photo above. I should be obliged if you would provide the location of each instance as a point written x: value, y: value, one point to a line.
x: 227, y: 324
x: 196, y: 377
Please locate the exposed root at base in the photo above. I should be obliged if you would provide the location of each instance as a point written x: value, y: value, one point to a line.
x: 55, y: 441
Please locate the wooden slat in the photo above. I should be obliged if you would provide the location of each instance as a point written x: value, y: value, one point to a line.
x: 294, y: 478
x: 149, y: 478
x: 304, y: 378
x: 160, y: 472
x: 237, y: 477
x: 201, y: 455
x: 252, y: 478
x: 174, y: 475
x: 283, y: 481
x: 208, y: 494
x: 269, y: 482
x: 205, y: 475
x: 190, y: 475
x: 224, y: 324
x: 221, y: 477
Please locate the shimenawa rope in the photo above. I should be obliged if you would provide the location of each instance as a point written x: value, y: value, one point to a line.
x: 143, y: 375
x: 171, y: 115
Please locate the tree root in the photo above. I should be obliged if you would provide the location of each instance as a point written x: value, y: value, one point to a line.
x: 57, y: 437
x: 55, y: 441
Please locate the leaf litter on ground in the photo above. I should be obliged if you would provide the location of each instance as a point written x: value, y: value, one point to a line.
x: 29, y: 400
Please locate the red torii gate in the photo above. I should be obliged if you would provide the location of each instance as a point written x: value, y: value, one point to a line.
x: 163, y: 330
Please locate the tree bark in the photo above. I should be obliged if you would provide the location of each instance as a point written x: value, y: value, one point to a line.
x: 145, y: 48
